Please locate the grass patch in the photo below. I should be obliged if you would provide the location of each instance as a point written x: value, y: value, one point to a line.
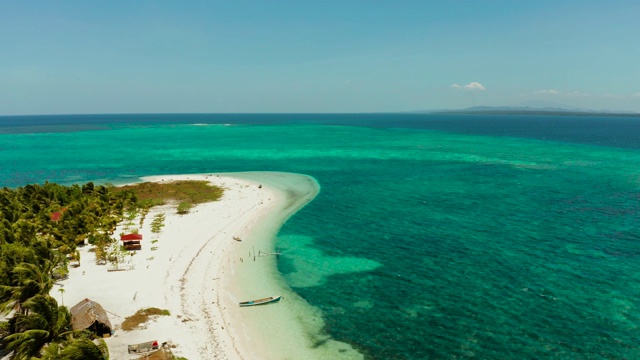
x: 149, y: 203
x: 184, y: 207
x: 141, y: 317
x: 190, y: 191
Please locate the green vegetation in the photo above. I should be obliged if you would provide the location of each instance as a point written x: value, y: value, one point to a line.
x: 40, y: 228
x: 184, y: 208
x: 80, y: 347
x: 156, y: 227
x: 44, y: 331
x: 5, y: 329
x: 141, y: 317
x: 117, y: 254
x: 192, y: 192
x: 83, y: 349
x: 158, y: 223
x: 143, y: 214
x: 130, y: 215
x: 102, y: 345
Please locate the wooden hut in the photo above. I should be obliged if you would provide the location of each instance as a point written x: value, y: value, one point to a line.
x: 89, y: 315
x: 131, y: 241
x: 55, y: 216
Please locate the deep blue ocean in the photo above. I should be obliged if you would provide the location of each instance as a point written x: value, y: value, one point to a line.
x: 433, y: 236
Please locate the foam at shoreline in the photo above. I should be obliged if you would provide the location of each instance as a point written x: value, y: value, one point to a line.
x: 199, y: 273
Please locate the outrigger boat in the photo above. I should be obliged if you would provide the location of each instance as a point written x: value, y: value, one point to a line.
x: 261, y: 301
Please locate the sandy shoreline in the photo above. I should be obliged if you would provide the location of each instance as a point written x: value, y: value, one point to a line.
x: 199, y: 273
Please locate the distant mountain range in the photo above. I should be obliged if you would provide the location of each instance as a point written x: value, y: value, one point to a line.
x: 527, y: 110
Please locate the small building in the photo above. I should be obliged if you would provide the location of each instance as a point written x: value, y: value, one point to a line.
x: 89, y: 315
x: 55, y: 216
x: 131, y: 241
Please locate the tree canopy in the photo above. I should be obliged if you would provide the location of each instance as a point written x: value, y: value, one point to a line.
x: 40, y: 228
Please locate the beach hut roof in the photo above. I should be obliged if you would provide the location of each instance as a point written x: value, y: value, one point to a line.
x: 85, y: 313
x: 56, y: 215
x: 128, y: 237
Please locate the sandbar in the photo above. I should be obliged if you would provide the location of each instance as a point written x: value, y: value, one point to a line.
x: 199, y: 271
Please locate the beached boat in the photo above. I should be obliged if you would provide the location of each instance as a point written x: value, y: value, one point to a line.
x: 261, y: 301
x: 143, y: 347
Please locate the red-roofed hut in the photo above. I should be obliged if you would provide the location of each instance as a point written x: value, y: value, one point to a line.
x: 56, y: 216
x: 131, y: 241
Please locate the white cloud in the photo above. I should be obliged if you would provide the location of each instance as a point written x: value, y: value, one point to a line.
x: 546, y: 92
x: 472, y: 86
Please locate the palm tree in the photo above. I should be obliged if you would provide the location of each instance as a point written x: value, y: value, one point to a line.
x: 81, y: 349
x: 61, y: 295
x: 30, y: 280
x: 24, y: 231
x: 74, y: 349
x: 52, y: 351
x: 45, y: 322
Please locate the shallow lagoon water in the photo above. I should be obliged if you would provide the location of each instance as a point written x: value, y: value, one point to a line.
x: 482, y: 240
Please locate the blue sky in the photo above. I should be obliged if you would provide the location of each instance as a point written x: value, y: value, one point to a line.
x: 59, y: 57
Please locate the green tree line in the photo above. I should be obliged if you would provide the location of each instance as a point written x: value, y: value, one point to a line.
x: 40, y: 229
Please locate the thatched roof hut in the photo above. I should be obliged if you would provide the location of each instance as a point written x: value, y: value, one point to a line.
x: 89, y: 315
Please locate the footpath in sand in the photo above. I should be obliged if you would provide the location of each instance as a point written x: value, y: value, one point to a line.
x: 199, y: 273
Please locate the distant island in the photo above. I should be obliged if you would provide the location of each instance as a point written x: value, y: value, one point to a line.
x: 526, y: 110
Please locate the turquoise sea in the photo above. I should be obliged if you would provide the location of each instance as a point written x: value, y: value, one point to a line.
x: 433, y: 236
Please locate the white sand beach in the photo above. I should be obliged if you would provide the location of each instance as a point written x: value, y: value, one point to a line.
x: 198, y: 272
